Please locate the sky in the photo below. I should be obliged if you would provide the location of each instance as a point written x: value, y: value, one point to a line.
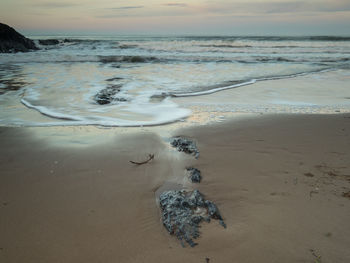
x: 201, y: 17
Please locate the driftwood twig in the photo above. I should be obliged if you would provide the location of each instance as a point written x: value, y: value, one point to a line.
x: 150, y: 157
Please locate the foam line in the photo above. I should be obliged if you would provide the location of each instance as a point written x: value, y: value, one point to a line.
x: 49, y: 113
x: 206, y: 92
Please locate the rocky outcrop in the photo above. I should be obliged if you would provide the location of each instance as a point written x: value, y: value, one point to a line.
x: 48, y: 42
x: 11, y: 41
x: 183, y: 211
x: 185, y: 145
x: 108, y: 95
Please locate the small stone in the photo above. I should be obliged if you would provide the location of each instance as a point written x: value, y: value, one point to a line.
x: 195, y: 175
x: 309, y: 174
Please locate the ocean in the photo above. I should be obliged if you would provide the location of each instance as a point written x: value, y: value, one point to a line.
x: 134, y: 80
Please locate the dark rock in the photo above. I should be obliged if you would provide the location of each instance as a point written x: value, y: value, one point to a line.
x: 48, y: 42
x: 113, y: 79
x: 77, y: 41
x: 72, y: 41
x: 183, y: 211
x: 108, y: 95
x: 126, y: 59
x: 185, y: 145
x: 161, y: 96
x: 12, y: 41
x: 195, y: 175
x: 127, y: 46
x: 135, y: 59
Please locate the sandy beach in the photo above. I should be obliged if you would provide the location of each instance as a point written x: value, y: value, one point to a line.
x: 281, y: 183
x: 174, y: 131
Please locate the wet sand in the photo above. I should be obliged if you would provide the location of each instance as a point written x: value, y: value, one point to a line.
x: 278, y: 181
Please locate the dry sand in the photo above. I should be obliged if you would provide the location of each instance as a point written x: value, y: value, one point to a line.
x: 278, y: 181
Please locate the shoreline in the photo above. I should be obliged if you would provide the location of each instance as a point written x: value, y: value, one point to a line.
x: 308, y: 94
x: 278, y: 181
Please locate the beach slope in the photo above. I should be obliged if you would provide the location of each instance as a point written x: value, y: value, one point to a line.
x: 281, y: 183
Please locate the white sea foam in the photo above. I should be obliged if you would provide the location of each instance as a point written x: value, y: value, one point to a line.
x: 163, y: 113
x: 206, y: 92
x: 50, y: 113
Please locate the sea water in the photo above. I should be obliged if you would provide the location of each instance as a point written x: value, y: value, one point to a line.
x: 60, y: 84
